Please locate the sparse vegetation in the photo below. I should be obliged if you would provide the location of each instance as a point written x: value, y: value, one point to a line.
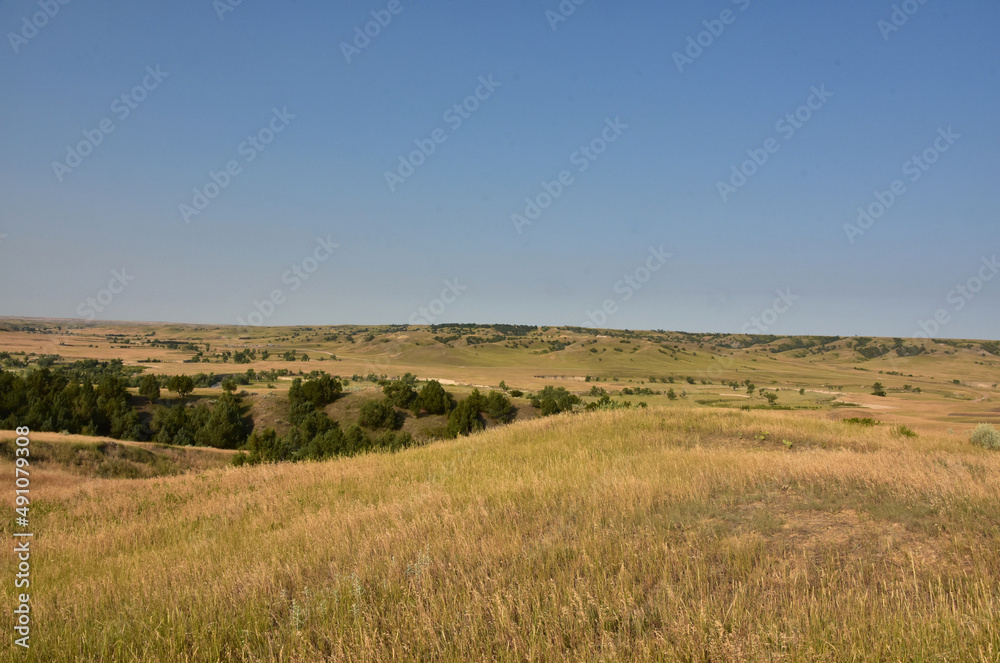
x: 986, y: 436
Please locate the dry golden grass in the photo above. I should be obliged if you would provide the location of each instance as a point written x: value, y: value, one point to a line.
x: 663, y: 534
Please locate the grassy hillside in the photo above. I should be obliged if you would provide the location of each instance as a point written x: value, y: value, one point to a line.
x: 84, y: 457
x: 932, y: 385
x: 685, y: 533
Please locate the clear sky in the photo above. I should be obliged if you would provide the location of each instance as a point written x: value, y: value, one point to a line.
x: 118, y: 122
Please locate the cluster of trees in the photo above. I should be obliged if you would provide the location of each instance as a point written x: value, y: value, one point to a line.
x: 467, y: 416
x: 639, y: 391
x: 464, y: 416
x: 314, y: 436
x: 48, y: 399
x: 553, y: 400
x: 605, y: 402
x: 862, y: 347
x: 90, y: 397
x: 224, y: 426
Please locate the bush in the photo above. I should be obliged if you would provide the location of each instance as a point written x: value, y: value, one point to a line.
x: 986, y: 436
x: 499, y: 407
x: 867, y: 421
x: 433, y: 399
x: 393, y: 441
x: 401, y: 392
x: 464, y: 419
x: 905, y: 431
x: 317, y: 392
x: 553, y: 400
x: 377, y: 414
x: 149, y: 386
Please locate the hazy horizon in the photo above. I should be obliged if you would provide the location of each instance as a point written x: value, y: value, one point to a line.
x: 514, y: 162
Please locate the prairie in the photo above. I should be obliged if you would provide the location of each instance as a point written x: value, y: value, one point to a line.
x: 676, y: 533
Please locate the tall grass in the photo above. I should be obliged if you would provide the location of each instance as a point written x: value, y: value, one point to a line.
x: 695, y: 535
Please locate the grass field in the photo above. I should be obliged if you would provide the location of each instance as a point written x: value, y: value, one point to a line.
x: 688, y: 534
x: 708, y: 527
x: 958, y: 381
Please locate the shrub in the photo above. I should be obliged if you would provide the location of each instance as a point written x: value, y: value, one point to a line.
x: 433, y: 399
x: 905, y: 431
x: 986, y: 436
x: 377, y: 414
x: 464, y: 419
x: 149, y: 386
x: 553, y: 400
x: 867, y: 421
x: 499, y: 407
x: 401, y: 392
x: 393, y: 441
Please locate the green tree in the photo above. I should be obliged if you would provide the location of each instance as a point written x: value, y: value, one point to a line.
x: 401, y: 392
x: 499, y: 407
x: 182, y: 385
x: 149, y: 387
x: 378, y: 415
x: 464, y: 419
x: 433, y: 399
x: 226, y: 427
x: 553, y: 400
x: 878, y: 389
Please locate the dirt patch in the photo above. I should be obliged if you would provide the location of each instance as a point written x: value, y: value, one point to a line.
x: 810, y: 528
x: 987, y: 415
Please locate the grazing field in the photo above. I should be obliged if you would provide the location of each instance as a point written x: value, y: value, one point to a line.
x: 684, y: 533
x: 731, y: 497
x: 937, y: 385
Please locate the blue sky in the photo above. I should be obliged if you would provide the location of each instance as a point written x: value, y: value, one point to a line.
x: 554, y: 87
